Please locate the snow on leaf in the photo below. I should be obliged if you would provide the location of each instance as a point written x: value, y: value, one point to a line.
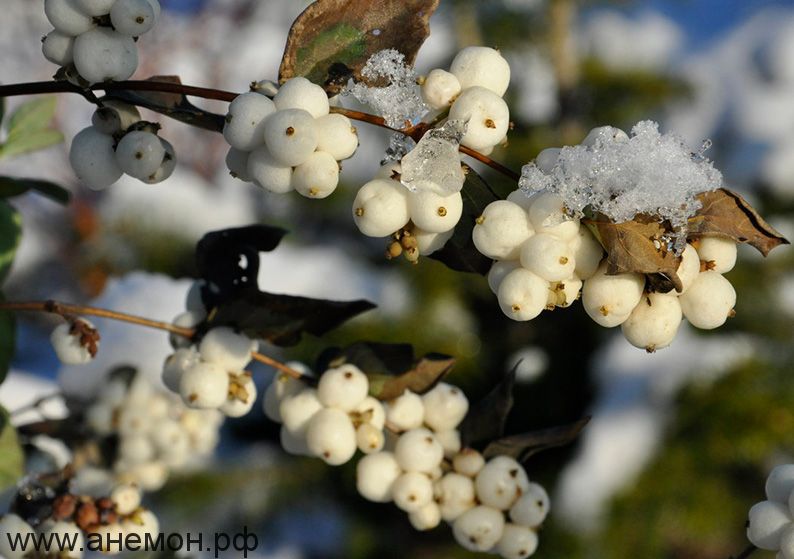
x: 650, y: 173
x: 434, y: 164
x: 388, y: 85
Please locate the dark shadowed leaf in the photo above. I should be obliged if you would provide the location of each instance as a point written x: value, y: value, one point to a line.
x: 7, y: 340
x: 486, y: 419
x: 282, y: 319
x: 525, y: 445
x: 12, y: 186
x: 637, y: 246
x: 228, y: 260
x: 420, y: 378
x: 459, y: 253
x: 12, y: 461
x: 331, y: 40
x: 726, y: 214
x: 173, y: 105
x: 390, y: 368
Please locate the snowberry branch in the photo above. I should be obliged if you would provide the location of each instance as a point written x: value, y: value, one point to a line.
x: 415, y: 132
x: 68, y: 310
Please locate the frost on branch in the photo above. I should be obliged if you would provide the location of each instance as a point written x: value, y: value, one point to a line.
x: 619, y: 177
x: 434, y: 164
x: 391, y: 88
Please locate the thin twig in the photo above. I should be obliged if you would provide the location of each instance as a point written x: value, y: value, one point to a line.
x: 746, y: 553
x: 415, y: 132
x: 67, y: 310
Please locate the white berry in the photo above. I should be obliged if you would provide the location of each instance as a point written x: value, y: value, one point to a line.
x: 405, y: 412
x: 709, y: 301
x: 375, y: 476
x: 522, y: 294
x: 317, y: 177
x: 296, y: 411
x: 718, y: 253
x: 344, y: 387
x: 517, y: 542
x: 501, y: 230
x: 548, y: 256
x: 445, y: 407
x: 587, y: 254
x: 434, y: 213
x: 481, y: 66
x: 369, y: 438
x: 479, y: 529
x: 486, y: 115
x: 468, y: 462
x: 427, y: 243
x: 300, y: 93
x: 102, y: 55
x: 547, y: 159
x: 381, y: 208
x: 93, y: 159
x: 140, y: 154
x: 337, y: 136
x: 418, y: 450
x: 603, y: 134
x: 242, y: 395
x: 127, y: 498
x: 204, y: 385
x: 531, y: 508
x: 689, y: 268
x: 455, y: 495
x: 780, y: 483
x: 440, y: 88
x: 291, y: 136
x: 245, y: 125
x: 58, y: 48
x: 66, y: 18
x: 767, y: 521
x: 609, y: 300
x: 412, y: 491
x: 426, y: 518
x: 237, y: 163
x: 132, y: 17
x: 501, y: 482
x: 654, y: 322
x: 68, y: 346
x: 226, y: 348
x: 330, y: 436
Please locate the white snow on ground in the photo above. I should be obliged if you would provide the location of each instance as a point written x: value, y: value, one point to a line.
x: 634, y: 403
x: 21, y: 389
x: 647, y: 41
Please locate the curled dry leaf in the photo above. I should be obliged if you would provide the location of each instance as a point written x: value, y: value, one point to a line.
x: 330, y: 42
x: 525, y: 445
x: 726, y: 214
x: 639, y: 246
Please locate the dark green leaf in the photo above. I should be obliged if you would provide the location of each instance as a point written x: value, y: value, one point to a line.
x: 31, y: 117
x: 12, y: 186
x: 332, y: 39
x: 17, y: 144
x: 282, y: 319
x: 486, y: 419
x: 525, y: 445
x: 2, y: 108
x: 10, y: 234
x: 173, y: 105
x: 459, y: 253
x: 12, y: 461
x: 7, y: 340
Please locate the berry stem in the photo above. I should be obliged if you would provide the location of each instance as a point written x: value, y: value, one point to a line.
x: 68, y: 309
x: 416, y: 131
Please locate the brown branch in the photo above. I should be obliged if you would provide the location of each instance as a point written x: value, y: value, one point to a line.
x: 68, y: 310
x: 415, y: 132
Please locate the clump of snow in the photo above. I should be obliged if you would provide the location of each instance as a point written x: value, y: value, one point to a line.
x: 434, y: 164
x: 399, y: 100
x: 399, y: 146
x: 649, y: 173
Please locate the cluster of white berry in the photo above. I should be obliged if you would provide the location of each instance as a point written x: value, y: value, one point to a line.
x: 418, y: 200
x: 78, y: 523
x: 118, y: 142
x: 156, y: 434
x: 771, y: 522
x: 288, y: 143
x: 421, y: 221
x: 545, y: 258
x: 418, y: 463
x: 472, y: 91
x: 97, y: 37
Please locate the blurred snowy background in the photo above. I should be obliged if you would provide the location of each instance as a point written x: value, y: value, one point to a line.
x: 680, y: 441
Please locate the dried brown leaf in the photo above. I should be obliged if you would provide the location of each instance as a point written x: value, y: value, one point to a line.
x: 726, y: 214
x: 638, y: 246
x: 332, y: 39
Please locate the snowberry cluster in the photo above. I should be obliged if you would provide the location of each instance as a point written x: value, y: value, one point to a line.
x: 419, y: 464
x: 330, y: 421
x: 119, y: 142
x: 545, y: 258
x: 771, y: 522
x: 288, y: 143
x: 101, y: 524
x: 421, y: 221
x: 418, y: 200
x: 155, y: 433
x: 94, y: 40
x: 472, y: 91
